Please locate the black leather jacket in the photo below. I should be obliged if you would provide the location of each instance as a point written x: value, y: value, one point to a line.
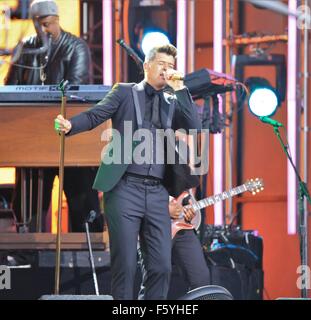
x: 69, y: 60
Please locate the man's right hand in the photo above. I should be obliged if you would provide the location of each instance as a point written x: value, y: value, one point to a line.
x: 61, y: 124
x: 175, y: 209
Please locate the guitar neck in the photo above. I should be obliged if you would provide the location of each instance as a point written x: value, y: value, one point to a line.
x: 209, y: 201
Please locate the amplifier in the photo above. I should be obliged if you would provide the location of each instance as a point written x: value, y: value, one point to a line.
x: 235, y: 260
x: 73, y: 259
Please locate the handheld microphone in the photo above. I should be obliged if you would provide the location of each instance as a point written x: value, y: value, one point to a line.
x: 270, y: 121
x: 177, y: 77
x: 131, y: 53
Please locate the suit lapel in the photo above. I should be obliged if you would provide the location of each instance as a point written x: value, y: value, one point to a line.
x: 167, y: 110
x: 139, y: 102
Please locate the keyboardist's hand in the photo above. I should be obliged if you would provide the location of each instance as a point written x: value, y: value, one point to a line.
x: 61, y: 124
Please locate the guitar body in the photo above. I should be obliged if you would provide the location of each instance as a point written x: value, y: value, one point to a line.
x: 180, y: 223
x: 253, y: 186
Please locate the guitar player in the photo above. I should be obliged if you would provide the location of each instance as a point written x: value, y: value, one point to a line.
x: 187, y: 251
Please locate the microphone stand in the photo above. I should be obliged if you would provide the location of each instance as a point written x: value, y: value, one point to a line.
x: 217, y: 121
x: 139, y: 62
x: 90, y: 219
x: 204, y: 146
x: 62, y: 86
x: 303, y: 216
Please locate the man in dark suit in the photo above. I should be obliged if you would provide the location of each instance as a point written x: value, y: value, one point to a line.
x: 136, y: 198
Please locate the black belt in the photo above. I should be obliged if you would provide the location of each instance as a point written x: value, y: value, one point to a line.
x: 147, y: 180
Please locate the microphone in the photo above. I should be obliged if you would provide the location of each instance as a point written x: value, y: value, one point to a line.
x: 92, y: 216
x: 19, y: 50
x: 64, y: 84
x: 270, y: 121
x: 46, y: 48
x: 47, y: 41
x: 177, y: 77
x: 131, y: 53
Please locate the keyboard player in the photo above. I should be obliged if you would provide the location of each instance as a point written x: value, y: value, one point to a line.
x: 56, y: 55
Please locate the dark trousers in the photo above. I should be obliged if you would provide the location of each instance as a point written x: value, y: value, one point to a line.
x: 80, y: 196
x: 187, y: 254
x: 135, y: 209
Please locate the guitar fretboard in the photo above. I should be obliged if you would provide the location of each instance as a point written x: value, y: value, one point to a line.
x: 218, y: 197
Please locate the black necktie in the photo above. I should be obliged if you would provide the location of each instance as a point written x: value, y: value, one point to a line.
x: 155, y: 119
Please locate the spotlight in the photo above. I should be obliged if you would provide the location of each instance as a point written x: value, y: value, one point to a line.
x: 146, y: 21
x: 263, y: 99
x: 153, y: 38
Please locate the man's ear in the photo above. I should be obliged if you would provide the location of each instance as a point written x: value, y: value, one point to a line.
x: 146, y: 66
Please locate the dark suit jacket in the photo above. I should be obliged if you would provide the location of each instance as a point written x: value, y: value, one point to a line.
x: 126, y: 102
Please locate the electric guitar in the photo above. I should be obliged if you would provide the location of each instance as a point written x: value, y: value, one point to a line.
x: 253, y: 186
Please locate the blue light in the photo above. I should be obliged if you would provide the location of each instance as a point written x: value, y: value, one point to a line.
x: 152, y: 39
x: 263, y: 102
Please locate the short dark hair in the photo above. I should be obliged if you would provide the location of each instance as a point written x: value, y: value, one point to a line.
x: 169, y: 49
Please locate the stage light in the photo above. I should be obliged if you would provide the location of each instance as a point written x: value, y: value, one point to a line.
x: 153, y: 38
x: 146, y: 22
x: 263, y: 99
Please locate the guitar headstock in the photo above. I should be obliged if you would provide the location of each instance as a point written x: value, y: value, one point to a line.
x: 254, y: 185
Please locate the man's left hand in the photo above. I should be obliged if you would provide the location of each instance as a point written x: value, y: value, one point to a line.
x: 189, y: 213
x: 174, y: 83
